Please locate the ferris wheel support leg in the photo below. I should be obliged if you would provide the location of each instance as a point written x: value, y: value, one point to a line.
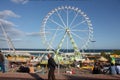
x: 10, y: 44
x: 77, y: 52
x: 60, y: 44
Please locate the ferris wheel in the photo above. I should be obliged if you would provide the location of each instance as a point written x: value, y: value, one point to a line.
x: 66, y: 28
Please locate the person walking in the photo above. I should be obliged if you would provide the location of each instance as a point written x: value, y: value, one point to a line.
x: 117, y: 67
x: 112, y: 69
x: 2, y: 62
x: 96, y: 69
x: 51, y: 65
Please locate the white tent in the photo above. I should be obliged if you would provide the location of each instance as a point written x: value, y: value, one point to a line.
x: 102, y: 59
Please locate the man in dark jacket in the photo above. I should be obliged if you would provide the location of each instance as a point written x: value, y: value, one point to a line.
x: 51, y: 66
x: 2, y: 62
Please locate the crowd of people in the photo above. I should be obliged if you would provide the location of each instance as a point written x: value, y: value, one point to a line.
x: 30, y: 69
x: 99, y: 67
x: 106, y: 68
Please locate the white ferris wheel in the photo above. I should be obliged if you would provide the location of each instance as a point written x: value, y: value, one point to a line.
x: 65, y: 28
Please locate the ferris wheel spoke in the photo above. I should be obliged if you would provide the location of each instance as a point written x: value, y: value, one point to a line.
x: 80, y: 30
x: 78, y: 24
x: 53, y: 37
x: 54, y: 29
x: 74, y: 19
x: 61, y: 42
x: 77, y: 36
x: 67, y: 17
x: 61, y: 18
x: 49, y: 46
x: 56, y: 23
x: 67, y: 43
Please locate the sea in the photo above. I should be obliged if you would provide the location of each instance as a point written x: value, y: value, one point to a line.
x: 66, y: 50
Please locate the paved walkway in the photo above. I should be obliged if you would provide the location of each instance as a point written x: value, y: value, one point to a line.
x: 38, y: 76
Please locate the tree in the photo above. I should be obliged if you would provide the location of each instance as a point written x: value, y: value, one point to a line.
x: 107, y: 56
x: 103, y: 54
x: 116, y: 52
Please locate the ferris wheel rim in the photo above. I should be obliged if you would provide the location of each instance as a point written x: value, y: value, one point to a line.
x: 88, y: 21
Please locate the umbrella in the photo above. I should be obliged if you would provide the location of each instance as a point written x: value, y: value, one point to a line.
x: 102, y: 59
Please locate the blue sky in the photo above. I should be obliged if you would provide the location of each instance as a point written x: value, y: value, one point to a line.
x: 22, y: 20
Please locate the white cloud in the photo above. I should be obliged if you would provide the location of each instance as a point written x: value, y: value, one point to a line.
x: 17, y: 36
x: 10, y: 29
x: 6, y: 23
x: 20, y: 1
x: 7, y: 13
x: 17, y: 40
x: 8, y: 26
x: 33, y: 34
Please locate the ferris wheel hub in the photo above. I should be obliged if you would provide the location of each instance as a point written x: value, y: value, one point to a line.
x: 67, y: 30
